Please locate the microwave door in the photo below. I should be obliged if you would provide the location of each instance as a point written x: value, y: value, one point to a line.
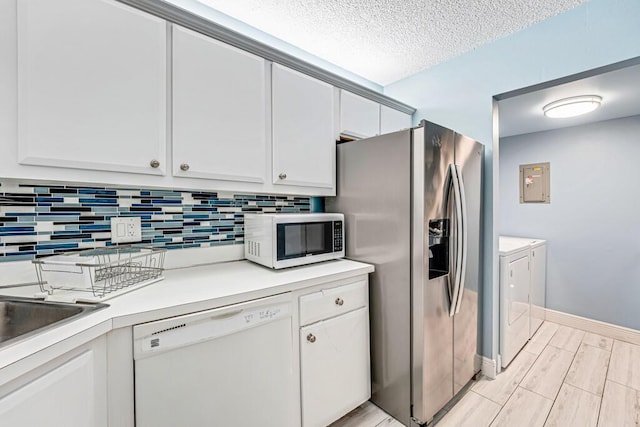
x: 297, y: 240
x: 319, y: 238
x: 291, y: 241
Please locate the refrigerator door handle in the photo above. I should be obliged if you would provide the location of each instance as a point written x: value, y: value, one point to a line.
x: 447, y: 198
x: 455, y: 183
x: 460, y: 274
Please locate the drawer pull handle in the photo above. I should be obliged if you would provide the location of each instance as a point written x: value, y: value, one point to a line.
x: 311, y: 338
x: 339, y: 301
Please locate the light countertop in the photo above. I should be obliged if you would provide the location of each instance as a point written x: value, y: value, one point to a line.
x: 182, y: 291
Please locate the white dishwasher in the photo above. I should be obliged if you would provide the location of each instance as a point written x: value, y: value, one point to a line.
x: 231, y: 366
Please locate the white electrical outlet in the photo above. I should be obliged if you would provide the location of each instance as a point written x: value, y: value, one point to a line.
x: 126, y: 229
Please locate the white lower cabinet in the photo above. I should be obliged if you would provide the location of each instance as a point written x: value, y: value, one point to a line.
x: 69, y: 391
x: 334, y: 358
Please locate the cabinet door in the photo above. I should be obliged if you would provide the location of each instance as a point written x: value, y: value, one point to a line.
x: 67, y: 393
x: 91, y: 86
x: 334, y: 367
x: 219, y: 110
x: 359, y: 117
x: 393, y: 120
x: 303, y: 134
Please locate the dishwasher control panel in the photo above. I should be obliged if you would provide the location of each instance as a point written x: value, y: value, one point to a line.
x: 154, y: 337
x: 264, y: 314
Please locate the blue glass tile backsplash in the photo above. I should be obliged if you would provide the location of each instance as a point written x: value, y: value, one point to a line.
x: 40, y: 220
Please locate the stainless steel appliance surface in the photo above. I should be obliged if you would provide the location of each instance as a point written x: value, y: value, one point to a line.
x: 412, y: 202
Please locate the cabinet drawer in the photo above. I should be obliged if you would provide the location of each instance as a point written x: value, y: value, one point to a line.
x: 332, y: 302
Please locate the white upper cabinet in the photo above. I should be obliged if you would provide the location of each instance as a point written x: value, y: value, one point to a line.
x: 91, y: 86
x: 99, y: 92
x: 219, y: 110
x: 393, y: 120
x: 359, y: 117
x: 303, y: 130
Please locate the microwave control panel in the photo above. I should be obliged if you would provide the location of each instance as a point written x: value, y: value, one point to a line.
x: 337, y: 236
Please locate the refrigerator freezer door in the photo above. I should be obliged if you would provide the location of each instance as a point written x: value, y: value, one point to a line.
x: 468, y: 157
x: 432, y: 330
x: 374, y: 192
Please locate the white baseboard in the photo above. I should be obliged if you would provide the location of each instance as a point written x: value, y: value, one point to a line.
x: 594, y: 326
x: 489, y: 368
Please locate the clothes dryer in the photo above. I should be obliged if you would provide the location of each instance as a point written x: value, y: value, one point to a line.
x: 515, y: 309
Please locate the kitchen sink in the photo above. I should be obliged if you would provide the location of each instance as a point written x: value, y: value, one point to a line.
x: 24, y: 317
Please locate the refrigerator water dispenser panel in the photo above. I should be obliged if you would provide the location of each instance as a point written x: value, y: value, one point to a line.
x: 438, y: 247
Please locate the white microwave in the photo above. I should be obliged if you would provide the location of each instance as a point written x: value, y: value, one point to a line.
x: 287, y: 240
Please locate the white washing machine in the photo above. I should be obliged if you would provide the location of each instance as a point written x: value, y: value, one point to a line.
x: 522, y: 292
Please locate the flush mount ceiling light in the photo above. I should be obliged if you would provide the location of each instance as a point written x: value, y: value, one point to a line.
x: 571, y: 107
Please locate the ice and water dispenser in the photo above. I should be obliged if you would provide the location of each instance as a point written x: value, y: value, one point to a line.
x: 438, y: 248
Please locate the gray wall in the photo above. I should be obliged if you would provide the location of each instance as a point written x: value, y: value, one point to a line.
x: 593, y: 222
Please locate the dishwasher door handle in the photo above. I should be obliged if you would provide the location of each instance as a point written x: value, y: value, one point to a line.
x: 226, y: 315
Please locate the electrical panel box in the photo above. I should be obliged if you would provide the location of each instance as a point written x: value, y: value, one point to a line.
x: 535, y: 183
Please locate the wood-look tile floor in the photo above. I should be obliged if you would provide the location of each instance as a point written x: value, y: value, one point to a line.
x: 564, y: 377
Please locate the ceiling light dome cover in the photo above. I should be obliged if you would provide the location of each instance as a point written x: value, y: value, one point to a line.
x: 573, y: 106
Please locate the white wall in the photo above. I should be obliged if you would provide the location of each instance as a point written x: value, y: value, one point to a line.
x: 592, y: 225
x: 458, y: 93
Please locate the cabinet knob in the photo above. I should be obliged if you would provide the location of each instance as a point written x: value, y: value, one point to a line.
x: 184, y: 167
x: 339, y: 301
x: 154, y: 163
x: 311, y: 338
x: 282, y: 175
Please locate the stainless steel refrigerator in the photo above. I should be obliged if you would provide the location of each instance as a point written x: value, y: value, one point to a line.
x: 412, y: 204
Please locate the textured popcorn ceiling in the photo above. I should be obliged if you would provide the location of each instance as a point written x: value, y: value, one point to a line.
x: 387, y: 40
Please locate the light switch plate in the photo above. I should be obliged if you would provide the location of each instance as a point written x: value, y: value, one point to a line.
x: 126, y: 229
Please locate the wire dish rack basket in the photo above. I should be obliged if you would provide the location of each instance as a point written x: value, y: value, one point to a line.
x: 98, y: 274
